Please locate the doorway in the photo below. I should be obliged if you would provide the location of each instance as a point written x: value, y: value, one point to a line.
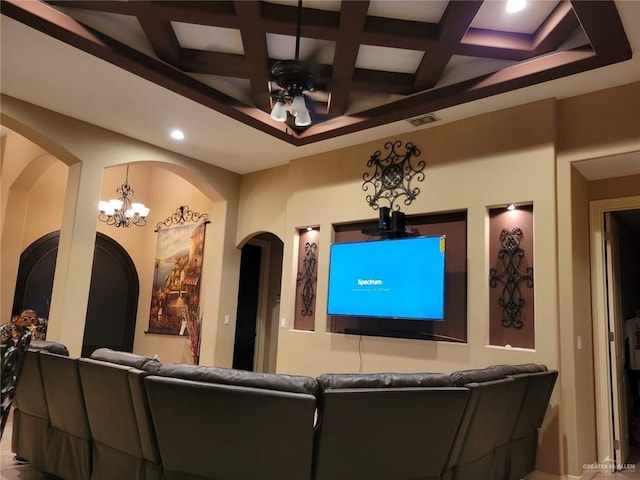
x: 615, y: 264
x: 113, y: 295
x: 256, y: 335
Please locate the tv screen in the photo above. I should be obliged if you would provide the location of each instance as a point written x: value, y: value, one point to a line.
x: 400, y: 278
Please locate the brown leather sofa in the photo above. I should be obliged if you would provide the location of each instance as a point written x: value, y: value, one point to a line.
x: 127, y: 416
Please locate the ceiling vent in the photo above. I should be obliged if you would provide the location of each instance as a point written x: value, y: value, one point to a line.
x: 428, y: 118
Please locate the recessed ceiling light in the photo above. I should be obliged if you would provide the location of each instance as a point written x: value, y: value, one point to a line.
x: 514, y: 6
x: 511, y: 206
x: 177, y: 134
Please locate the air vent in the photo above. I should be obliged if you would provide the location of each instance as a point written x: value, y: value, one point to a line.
x: 428, y: 118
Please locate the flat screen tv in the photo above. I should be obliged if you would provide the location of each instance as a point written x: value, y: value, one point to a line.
x: 399, y: 278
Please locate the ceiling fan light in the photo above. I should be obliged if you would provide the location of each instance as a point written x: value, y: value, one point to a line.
x: 279, y: 112
x: 298, y: 106
x: 303, y: 119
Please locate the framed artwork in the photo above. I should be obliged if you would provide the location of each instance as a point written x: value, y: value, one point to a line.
x: 175, y: 299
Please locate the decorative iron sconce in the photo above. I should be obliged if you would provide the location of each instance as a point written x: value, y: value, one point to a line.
x: 511, y: 255
x: 182, y: 215
x: 308, y: 278
x: 393, y: 175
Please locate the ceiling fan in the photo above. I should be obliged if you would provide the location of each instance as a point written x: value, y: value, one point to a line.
x: 294, y: 78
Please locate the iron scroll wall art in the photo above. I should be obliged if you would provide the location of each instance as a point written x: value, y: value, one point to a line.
x: 182, y: 215
x: 393, y: 176
x: 511, y: 277
x: 308, y: 277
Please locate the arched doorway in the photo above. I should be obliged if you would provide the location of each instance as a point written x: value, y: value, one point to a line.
x: 257, y: 317
x: 113, y: 295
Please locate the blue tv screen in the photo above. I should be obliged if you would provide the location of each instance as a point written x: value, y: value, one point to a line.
x: 399, y: 278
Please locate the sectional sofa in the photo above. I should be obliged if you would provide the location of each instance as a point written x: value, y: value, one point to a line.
x: 118, y: 415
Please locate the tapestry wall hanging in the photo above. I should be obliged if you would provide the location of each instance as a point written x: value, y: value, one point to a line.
x: 175, y: 300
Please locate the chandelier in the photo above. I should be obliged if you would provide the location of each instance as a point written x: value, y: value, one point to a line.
x: 121, y: 212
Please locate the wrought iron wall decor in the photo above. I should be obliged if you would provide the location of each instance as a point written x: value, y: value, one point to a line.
x: 392, y: 176
x: 308, y: 278
x: 182, y: 215
x: 511, y: 278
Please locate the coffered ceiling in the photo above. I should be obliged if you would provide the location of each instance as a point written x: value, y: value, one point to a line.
x: 375, y: 63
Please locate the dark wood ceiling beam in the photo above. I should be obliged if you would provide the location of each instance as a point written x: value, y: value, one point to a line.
x: 255, y: 52
x: 214, y: 63
x: 159, y: 32
x: 601, y: 21
x: 454, y: 24
x: 283, y: 19
x: 556, y: 29
x: 122, y: 8
x: 352, y: 21
x: 377, y: 81
x: 407, y: 34
x: 499, y: 45
x: 220, y: 13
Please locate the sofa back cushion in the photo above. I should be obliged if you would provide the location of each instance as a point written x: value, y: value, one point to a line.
x: 480, y: 375
x: 389, y: 425
x: 141, y: 362
x: 539, y: 386
x: 383, y: 380
x: 209, y: 428
x: 230, y: 376
x: 70, y: 454
x: 51, y: 347
x: 106, y: 389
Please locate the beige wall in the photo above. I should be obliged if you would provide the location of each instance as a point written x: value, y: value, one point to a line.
x: 615, y: 187
x: 472, y: 165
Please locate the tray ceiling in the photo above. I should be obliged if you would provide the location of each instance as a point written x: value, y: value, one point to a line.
x: 377, y: 61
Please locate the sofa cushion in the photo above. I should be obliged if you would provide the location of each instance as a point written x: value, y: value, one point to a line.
x: 52, y: 347
x: 521, y: 368
x: 530, y: 368
x: 229, y: 376
x: 382, y: 380
x: 141, y: 362
x: 480, y: 375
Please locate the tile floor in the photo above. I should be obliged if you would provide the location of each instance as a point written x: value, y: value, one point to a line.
x: 9, y: 470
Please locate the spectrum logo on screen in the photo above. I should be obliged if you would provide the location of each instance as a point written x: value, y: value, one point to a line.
x: 370, y: 281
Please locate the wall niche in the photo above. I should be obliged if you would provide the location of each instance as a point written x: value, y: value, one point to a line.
x: 454, y: 326
x: 511, y: 292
